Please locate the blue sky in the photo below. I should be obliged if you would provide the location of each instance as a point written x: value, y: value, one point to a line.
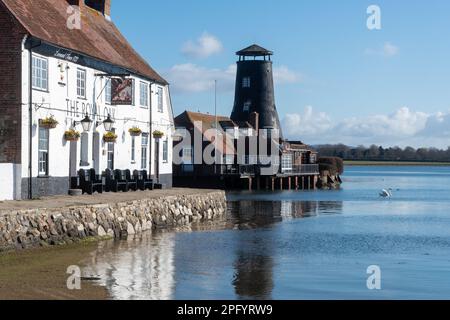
x: 336, y: 81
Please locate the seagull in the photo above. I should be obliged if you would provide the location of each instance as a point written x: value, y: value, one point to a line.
x: 386, y: 193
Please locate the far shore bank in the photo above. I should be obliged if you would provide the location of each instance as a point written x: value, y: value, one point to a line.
x: 396, y: 163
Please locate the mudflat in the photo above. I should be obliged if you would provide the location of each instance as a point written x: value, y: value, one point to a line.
x: 41, y: 274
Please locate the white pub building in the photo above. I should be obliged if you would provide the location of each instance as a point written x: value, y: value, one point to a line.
x: 75, y: 98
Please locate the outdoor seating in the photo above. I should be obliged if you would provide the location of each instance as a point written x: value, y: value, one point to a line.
x: 124, y: 177
x: 143, y: 182
x: 90, y: 182
x: 113, y: 184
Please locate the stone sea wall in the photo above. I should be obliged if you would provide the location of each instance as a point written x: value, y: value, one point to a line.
x: 40, y: 227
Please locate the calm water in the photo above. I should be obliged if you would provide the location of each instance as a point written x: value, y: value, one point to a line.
x: 299, y: 245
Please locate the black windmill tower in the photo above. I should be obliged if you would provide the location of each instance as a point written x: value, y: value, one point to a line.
x: 255, y: 88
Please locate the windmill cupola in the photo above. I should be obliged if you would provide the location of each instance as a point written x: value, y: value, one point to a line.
x: 254, y: 51
x: 254, y: 92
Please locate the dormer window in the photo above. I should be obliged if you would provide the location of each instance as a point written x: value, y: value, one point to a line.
x: 98, y: 5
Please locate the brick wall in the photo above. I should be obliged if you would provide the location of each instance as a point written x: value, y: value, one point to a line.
x: 11, y: 37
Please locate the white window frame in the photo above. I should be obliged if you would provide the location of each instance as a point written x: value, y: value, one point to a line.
x: 160, y: 100
x: 246, y: 82
x: 81, y: 83
x: 188, y: 155
x: 287, y: 162
x: 39, y: 73
x: 108, y: 91
x: 144, y: 150
x: 165, y: 152
x: 143, y: 94
x: 43, y: 167
x: 133, y: 149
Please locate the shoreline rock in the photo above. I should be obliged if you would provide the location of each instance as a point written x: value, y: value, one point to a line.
x: 22, y: 229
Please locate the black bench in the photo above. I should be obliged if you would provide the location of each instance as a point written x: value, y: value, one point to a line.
x: 90, y: 182
x: 124, y: 176
x: 143, y: 182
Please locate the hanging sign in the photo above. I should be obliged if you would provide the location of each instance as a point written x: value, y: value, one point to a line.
x: 121, y: 91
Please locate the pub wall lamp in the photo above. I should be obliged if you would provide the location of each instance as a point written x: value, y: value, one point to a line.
x: 87, y: 122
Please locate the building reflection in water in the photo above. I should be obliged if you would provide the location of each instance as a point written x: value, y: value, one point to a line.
x: 253, y: 277
x: 138, y: 268
x: 144, y: 267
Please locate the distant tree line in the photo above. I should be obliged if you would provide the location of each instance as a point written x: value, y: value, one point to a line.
x: 378, y: 153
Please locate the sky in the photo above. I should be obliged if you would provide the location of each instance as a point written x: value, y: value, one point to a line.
x: 336, y: 81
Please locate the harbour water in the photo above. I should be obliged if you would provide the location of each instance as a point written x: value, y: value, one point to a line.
x: 299, y: 245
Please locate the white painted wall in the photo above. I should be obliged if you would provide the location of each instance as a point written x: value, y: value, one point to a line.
x: 10, y: 182
x: 66, y: 107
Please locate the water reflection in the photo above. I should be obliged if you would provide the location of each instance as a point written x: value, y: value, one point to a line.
x: 157, y: 264
x: 248, y: 214
x: 254, y: 264
x: 138, y: 268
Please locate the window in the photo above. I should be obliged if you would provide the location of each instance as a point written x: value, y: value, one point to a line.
x: 43, y: 151
x: 108, y: 96
x: 188, y: 159
x: 81, y: 83
x: 144, y: 94
x: 84, y: 149
x: 160, y: 100
x: 144, y: 151
x: 133, y: 149
x: 40, y: 73
x: 165, y: 151
x: 110, y: 155
x: 229, y: 159
x: 247, y: 106
x: 187, y: 155
x: 286, y: 163
x: 246, y: 82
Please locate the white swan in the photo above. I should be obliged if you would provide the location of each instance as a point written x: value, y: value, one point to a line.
x: 386, y: 193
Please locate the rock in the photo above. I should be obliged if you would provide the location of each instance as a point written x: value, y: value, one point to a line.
x: 130, y: 229
x: 101, y: 232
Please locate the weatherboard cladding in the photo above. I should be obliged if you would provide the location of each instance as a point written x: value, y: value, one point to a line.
x: 98, y: 37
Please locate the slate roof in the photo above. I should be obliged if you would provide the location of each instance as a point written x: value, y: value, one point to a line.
x: 254, y: 51
x: 98, y: 37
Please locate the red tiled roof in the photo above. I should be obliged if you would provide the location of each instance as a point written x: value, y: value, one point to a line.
x: 98, y: 37
x: 207, y: 122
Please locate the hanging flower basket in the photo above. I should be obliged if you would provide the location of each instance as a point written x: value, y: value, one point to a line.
x: 158, y: 134
x: 110, y: 137
x: 72, y: 135
x: 49, y: 122
x: 135, y: 131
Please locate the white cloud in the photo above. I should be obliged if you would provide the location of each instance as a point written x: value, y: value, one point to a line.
x: 283, y: 74
x: 206, y: 45
x: 403, y: 127
x: 194, y: 78
x: 387, y: 50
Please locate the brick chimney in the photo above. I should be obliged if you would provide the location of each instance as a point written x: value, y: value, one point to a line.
x: 254, y: 121
x: 102, y: 6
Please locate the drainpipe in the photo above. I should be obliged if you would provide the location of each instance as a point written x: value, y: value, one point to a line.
x: 150, y: 134
x: 30, y: 115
